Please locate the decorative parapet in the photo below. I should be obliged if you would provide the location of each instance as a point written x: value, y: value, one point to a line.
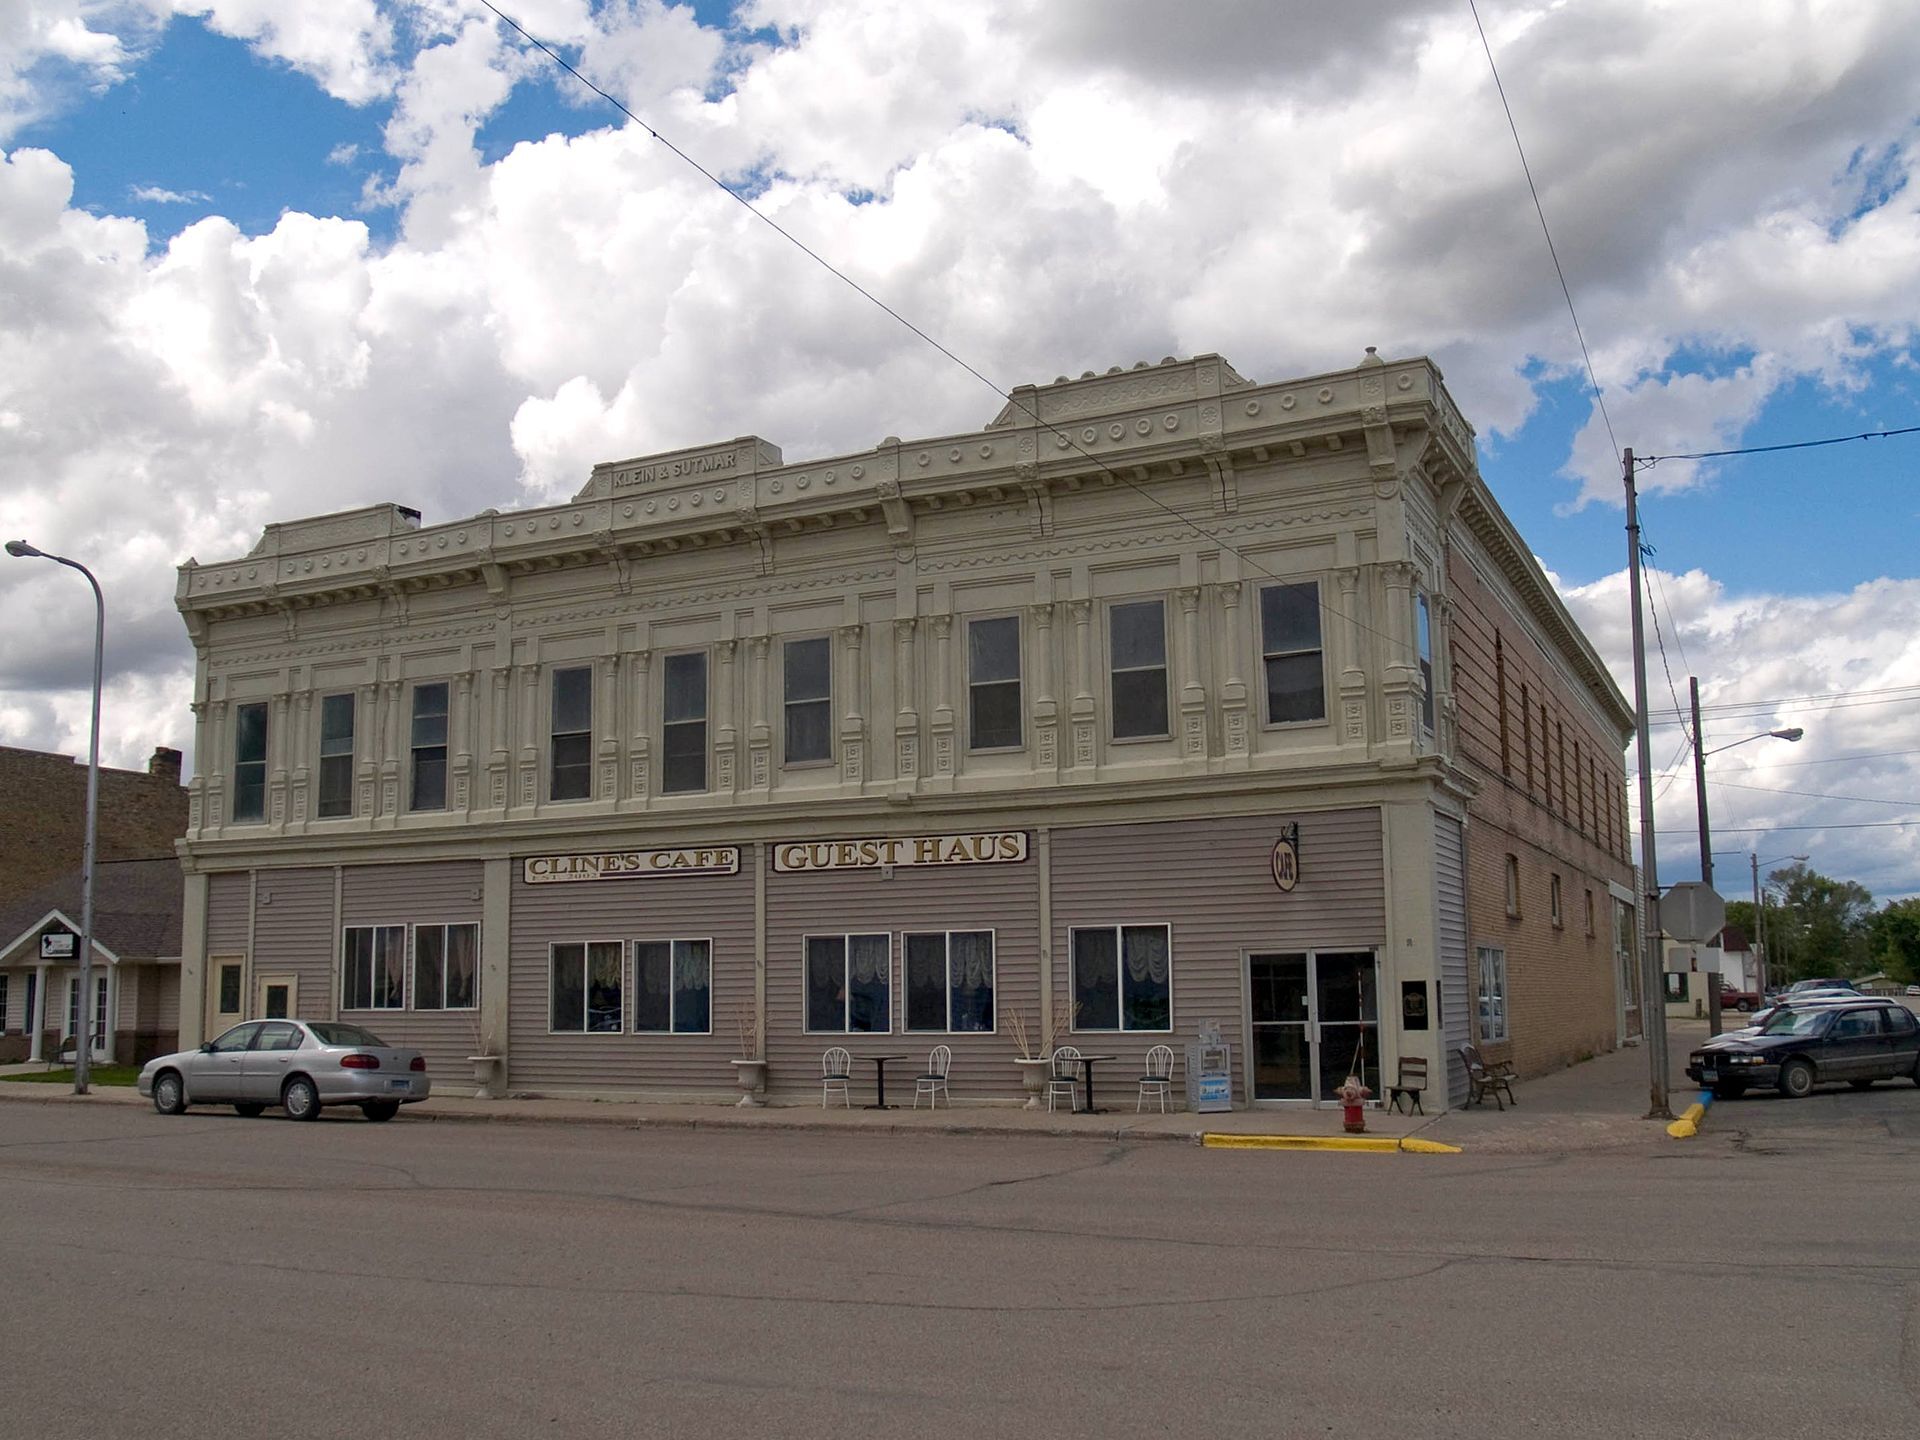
x: 1134, y: 426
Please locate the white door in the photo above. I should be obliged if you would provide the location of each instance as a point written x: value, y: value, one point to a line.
x: 98, y: 1020
x: 226, y: 994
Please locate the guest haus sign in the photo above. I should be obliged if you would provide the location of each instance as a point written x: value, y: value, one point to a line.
x: 632, y: 864
x: 989, y: 848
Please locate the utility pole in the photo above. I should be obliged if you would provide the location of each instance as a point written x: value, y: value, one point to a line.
x: 1653, y: 1005
x: 1706, y: 842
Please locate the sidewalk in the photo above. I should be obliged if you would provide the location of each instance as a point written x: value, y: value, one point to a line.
x: 1597, y: 1105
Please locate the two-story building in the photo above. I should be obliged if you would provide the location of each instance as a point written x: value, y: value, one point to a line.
x: 1157, y: 701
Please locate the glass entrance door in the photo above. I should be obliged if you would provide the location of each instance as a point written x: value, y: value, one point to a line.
x: 1313, y: 1019
x: 1281, y: 1011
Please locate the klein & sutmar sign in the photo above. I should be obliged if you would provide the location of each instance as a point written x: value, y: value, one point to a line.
x: 1003, y: 847
x: 632, y: 864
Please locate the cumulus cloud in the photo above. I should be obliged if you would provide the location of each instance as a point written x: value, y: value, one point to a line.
x: 1046, y: 186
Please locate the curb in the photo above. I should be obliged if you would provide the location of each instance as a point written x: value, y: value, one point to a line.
x: 1688, y: 1125
x: 1382, y: 1145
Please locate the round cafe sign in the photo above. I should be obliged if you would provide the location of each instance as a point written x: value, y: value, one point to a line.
x: 1286, y: 862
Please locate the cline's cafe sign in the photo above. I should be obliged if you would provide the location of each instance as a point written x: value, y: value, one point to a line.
x: 988, y: 848
x: 994, y: 847
x: 632, y: 864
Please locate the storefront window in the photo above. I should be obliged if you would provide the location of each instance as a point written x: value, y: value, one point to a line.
x: 445, y: 967
x: 1123, y: 978
x: 849, y: 984
x: 374, y: 968
x: 1493, y: 994
x: 673, y: 987
x: 584, y: 988
x: 949, y: 981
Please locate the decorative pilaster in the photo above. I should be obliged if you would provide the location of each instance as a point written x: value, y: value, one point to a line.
x: 390, y: 743
x: 1353, y: 677
x: 1084, y: 709
x: 366, y: 741
x: 853, y: 723
x: 607, y: 725
x: 946, y: 747
x: 1193, y: 695
x: 461, y: 742
x: 725, y: 734
x: 640, y: 743
x: 278, y: 745
x: 303, y: 746
x: 1046, y: 708
x: 759, y: 727
x: 1401, y: 687
x: 197, y: 788
x: 530, y: 732
x: 906, y: 719
x: 1233, y: 689
x: 499, y: 757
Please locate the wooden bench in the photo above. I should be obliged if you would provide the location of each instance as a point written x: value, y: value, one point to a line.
x: 1487, y: 1077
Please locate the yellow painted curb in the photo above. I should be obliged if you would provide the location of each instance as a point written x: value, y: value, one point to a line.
x: 1377, y: 1145
x: 1688, y: 1125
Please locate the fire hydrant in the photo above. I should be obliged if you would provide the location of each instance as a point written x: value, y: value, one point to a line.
x: 1353, y: 1097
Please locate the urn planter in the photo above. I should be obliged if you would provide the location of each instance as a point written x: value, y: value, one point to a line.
x: 487, y: 1071
x: 1033, y: 1077
x: 752, y: 1076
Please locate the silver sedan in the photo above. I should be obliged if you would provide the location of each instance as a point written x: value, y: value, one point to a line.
x: 300, y: 1065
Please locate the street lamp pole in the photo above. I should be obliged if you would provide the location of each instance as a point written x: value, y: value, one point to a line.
x: 83, y: 1022
x: 1700, y: 753
x: 1653, y: 1000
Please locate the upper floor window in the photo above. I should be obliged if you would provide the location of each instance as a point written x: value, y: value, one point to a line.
x: 572, y: 735
x: 683, y: 762
x: 1137, y: 652
x: 336, y: 756
x: 1291, y: 649
x: 808, y: 667
x: 1554, y: 911
x: 1513, y: 886
x: 1423, y: 621
x: 993, y: 683
x: 429, y: 747
x: 250, y: 761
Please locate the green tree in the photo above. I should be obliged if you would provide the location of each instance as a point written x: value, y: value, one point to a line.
x: 1821, y: 925
x: 1893, y: 939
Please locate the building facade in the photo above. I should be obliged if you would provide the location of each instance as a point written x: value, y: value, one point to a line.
x: 43, y: 815
x: 1143, y: 708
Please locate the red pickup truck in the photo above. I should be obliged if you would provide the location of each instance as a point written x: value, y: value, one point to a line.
x: 1741, y: 1000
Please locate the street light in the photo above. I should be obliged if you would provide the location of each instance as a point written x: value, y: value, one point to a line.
x: 83, y: 1022
x: 1700, y: 753
x: 1760, y: 918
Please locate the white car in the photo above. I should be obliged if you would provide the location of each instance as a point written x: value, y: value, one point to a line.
x: 299, y: 1065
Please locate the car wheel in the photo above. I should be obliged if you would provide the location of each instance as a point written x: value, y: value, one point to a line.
x: 248, y: 1108
x: 1729, y: 1090
x: 301, y: 1099
x: 1744, y: 1006
x: 377, y: 1110
x: 1796, y: 1079
x: 1861, y: 1084
x: 169, y: 1094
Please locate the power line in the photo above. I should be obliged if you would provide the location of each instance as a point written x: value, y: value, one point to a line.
x: 1592, y: 379
x: 1719, y: 829
x: 1652, y: 460
x: 1825, y: 760
x: 1809, y: 794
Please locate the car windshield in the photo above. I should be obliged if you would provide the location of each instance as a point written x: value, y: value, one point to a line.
x: 1796, y: 1022
x: 334, y: 1034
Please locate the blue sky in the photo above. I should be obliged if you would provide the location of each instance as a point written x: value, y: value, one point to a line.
x: 1230, y: 183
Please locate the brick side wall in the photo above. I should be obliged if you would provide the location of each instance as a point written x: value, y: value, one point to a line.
x: 43, y: 812
x: 1553, y: 796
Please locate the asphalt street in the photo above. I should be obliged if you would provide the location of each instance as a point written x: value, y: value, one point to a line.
x: 218, y: 1276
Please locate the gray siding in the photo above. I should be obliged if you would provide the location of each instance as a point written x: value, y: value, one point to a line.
x: 687, y: 907
x: 1212, y: 881
x: 1002, y: 898
x: 229, y: 896
x: 440, y: 893
x: 1450, y: 891
x: 293, y: 935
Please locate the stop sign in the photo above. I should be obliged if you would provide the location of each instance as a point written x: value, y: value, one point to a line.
x: 1693, y: 912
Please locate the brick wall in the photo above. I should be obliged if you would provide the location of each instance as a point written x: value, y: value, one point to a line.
x: 43, y: 812
x: 1553, y: 797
